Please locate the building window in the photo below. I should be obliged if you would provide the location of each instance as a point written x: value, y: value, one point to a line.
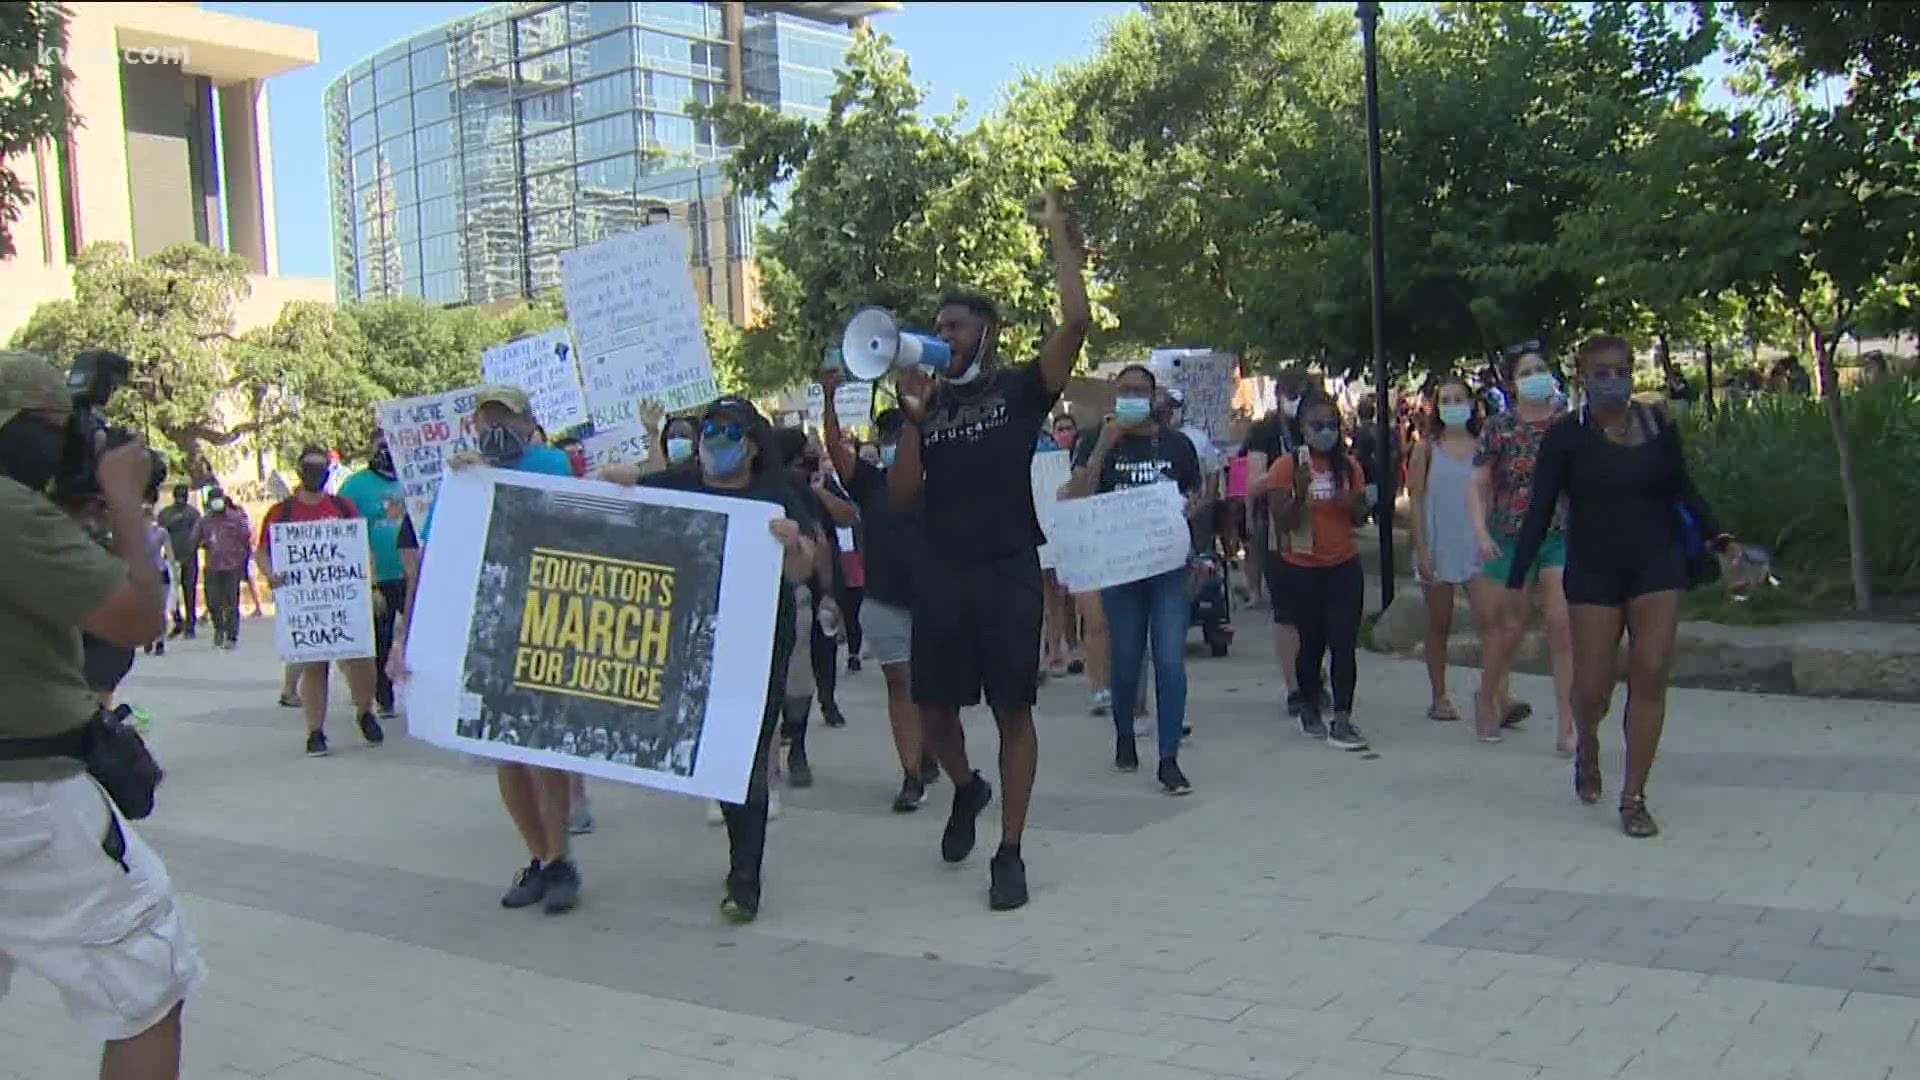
x: 612, y: 135
x: 543, y: 273
x: 613, y: 174
x: 433, y: 141
x: 546, y: 112
x: 698, y: 18
x: 602, y: 96
x: 668, y: 92
x: 435, y: 178
x: 400, y: 187
x: 549, y: 191
x: 546, y: 151
x: 442, y: 288
x: 807, y: 88
x: 671, y: 133
x: 550, y: 232
x: 360, y: 132
x: 433, y: 104
x: 390, y: 81
x: 602, y: 15
x: 709, y: 60
x: 440, y: 254
x: 665, y: 50
x: 437, y: 216
x: 547, y: 69
x: 395, y: 116
x: 540, y: 31
x: 430, y: 63
x: 398, y: 151
x: 359, y: 94
x: 366, y: 167
x: 812, y: 50
x: 602, y: 55
x: 406, y: 225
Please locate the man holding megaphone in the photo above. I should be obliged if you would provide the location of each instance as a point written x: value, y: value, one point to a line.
x: 966, y: 449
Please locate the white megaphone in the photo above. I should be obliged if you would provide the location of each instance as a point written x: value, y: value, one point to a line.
x: 874, y: 344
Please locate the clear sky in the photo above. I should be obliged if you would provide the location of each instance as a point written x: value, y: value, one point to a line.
x: 965, y: 50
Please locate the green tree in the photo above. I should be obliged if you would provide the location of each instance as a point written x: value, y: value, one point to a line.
x: 304, y: 380
x: 35, y: 105
x: 1875, y: 45
x: 172, y: 315
x: 414, y: 348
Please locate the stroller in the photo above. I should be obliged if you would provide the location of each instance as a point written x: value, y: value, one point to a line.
x: 1211, y: 600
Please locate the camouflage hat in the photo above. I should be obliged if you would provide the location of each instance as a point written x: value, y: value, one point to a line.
x: 511, y: 398
x: 29, y: 381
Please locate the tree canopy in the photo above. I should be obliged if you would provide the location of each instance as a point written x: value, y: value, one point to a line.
x: 34, y: 106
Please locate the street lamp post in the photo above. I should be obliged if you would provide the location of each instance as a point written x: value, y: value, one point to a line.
x: 1369, y: 12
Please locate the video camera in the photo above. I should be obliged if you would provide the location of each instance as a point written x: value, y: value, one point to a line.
x: 95, y: 375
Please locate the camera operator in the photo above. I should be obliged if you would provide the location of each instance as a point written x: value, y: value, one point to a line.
x: 83, y: 901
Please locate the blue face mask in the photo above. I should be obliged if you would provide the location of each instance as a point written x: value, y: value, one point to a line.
x: 1609, y: 392
x: 1536, y: 387
x: 1456, y: 415
x: 1132, y: 410
x: 886, y: 456
x: 679, y: 449
x: 722, y: 457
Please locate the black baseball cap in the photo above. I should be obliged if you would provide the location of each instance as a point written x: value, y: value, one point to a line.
x: 739, y: 409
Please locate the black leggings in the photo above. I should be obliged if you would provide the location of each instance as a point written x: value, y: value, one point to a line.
x: 1323, y: 603
x: 850, y: 600
x: 747, y: 822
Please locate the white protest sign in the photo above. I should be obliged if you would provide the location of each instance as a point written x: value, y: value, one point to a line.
x: 852, y: 404
x: 1050, y: 470
x: 596, y: 629
x: 1207, y: 378
x: 636, y: 324
x: 422, y: 433
x: 543, y: 366
x: 1122, y: 536
x: 622, y: 446
x: 323, y: 606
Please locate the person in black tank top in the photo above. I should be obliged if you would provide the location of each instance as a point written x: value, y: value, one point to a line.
x: 1621, y: 467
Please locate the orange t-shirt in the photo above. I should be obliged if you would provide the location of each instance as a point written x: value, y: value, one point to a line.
x: 1327, y: 508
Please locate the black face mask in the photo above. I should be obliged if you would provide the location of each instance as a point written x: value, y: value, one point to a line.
x: 313, y: 477
x: 382, y: 462
x: 33, y: 451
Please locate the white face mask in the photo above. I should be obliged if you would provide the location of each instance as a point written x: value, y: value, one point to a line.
x: 962, y: 379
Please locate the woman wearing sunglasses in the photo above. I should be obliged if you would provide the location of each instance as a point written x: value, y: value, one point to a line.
x: 1631, y: 510
x: 737, y: 461
x: 1316, y: 497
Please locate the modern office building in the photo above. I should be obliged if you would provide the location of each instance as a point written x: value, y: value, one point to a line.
x: 171, y: 146
x: 466, y: 159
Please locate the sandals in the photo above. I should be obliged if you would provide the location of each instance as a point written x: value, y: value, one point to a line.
x: 1443, y: 711
x: 1635, y: 821
x: 1586, y: 773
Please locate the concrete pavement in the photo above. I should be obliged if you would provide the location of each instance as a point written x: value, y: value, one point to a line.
x: 1441, y: 909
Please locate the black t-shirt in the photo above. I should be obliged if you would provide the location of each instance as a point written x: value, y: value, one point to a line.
x: 893, y: 541
x: 179, y: 519
x: 977, y: 449
x: 771, y: 488
x: 1139, y: 460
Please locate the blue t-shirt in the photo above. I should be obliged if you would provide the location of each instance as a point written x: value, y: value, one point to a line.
x: 370, y: 493
x: 537, y: 459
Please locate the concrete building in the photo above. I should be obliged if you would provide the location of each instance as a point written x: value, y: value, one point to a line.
x: 172, y: 146
x: 467, y: 158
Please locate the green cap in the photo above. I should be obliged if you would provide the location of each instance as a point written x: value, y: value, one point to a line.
x: 29, y: 381
x: 511, y: 398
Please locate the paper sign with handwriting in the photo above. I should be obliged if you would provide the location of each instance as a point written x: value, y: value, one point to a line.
x: 622, y: 446
x: 1050, y: 471
x: 636, y: 324
x: 543, y: 365
x: 852, y: 404
x: 1208, y: 379
x: 323, y: 606
x: 1122, y: 536
x: 422, y: 433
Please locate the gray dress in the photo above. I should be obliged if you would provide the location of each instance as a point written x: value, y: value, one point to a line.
x: 1450, y: 535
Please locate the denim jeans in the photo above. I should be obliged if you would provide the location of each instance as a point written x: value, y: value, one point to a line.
x: 1153, y: 609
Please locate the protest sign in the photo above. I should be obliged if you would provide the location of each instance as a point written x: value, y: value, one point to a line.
x: 622, y: 446
x: 323, y: 605
x: 852, y: 404
x: 543, y: 365
x: 581, y: 626
x: 1050, y: 470
x: 1207, y: 378
x: 1122, y: 536
x: 636, y: 324
x: 422, y: 433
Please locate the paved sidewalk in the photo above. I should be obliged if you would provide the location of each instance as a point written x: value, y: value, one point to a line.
x: 1442, y: 910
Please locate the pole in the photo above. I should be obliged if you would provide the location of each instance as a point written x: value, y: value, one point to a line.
x: 1369, y: 12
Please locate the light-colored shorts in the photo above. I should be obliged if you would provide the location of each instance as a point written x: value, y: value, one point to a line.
x: 887, y: 631
x: 106, y: 932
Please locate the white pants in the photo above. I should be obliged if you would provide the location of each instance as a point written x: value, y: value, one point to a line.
x: 105, y: 932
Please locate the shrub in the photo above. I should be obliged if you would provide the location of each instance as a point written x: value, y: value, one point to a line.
x: 1772, y: 473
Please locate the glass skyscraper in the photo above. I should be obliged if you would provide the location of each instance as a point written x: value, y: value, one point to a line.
x: 465, y: 159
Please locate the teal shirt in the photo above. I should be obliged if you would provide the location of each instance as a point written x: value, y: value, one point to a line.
x: 369, y: 492
x: 537, y: 459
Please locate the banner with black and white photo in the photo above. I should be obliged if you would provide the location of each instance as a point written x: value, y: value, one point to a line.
x: 578, y: 625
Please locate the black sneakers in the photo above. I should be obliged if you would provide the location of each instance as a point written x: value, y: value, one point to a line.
x: 956, y: 842
x: 370, y: 729
x: 1310, y: 723
x: 799, y: 771
x: 929, y: 772
x: 560, y: 881
x: 1342, y: 735
x: 913, y: 792
x: 316, y: 744
x: 1172, y: 780
x: 529, y: 887
x: 831, y: 715
x: 1125, y: 757
x: 741, y: 904
x: 1008, y: 888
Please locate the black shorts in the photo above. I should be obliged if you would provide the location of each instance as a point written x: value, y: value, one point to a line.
x: 1612, y: 585
x: 976, y: 627
x: 1286, y: 585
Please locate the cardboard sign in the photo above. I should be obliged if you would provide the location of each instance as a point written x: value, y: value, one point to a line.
x: 636, y: 324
